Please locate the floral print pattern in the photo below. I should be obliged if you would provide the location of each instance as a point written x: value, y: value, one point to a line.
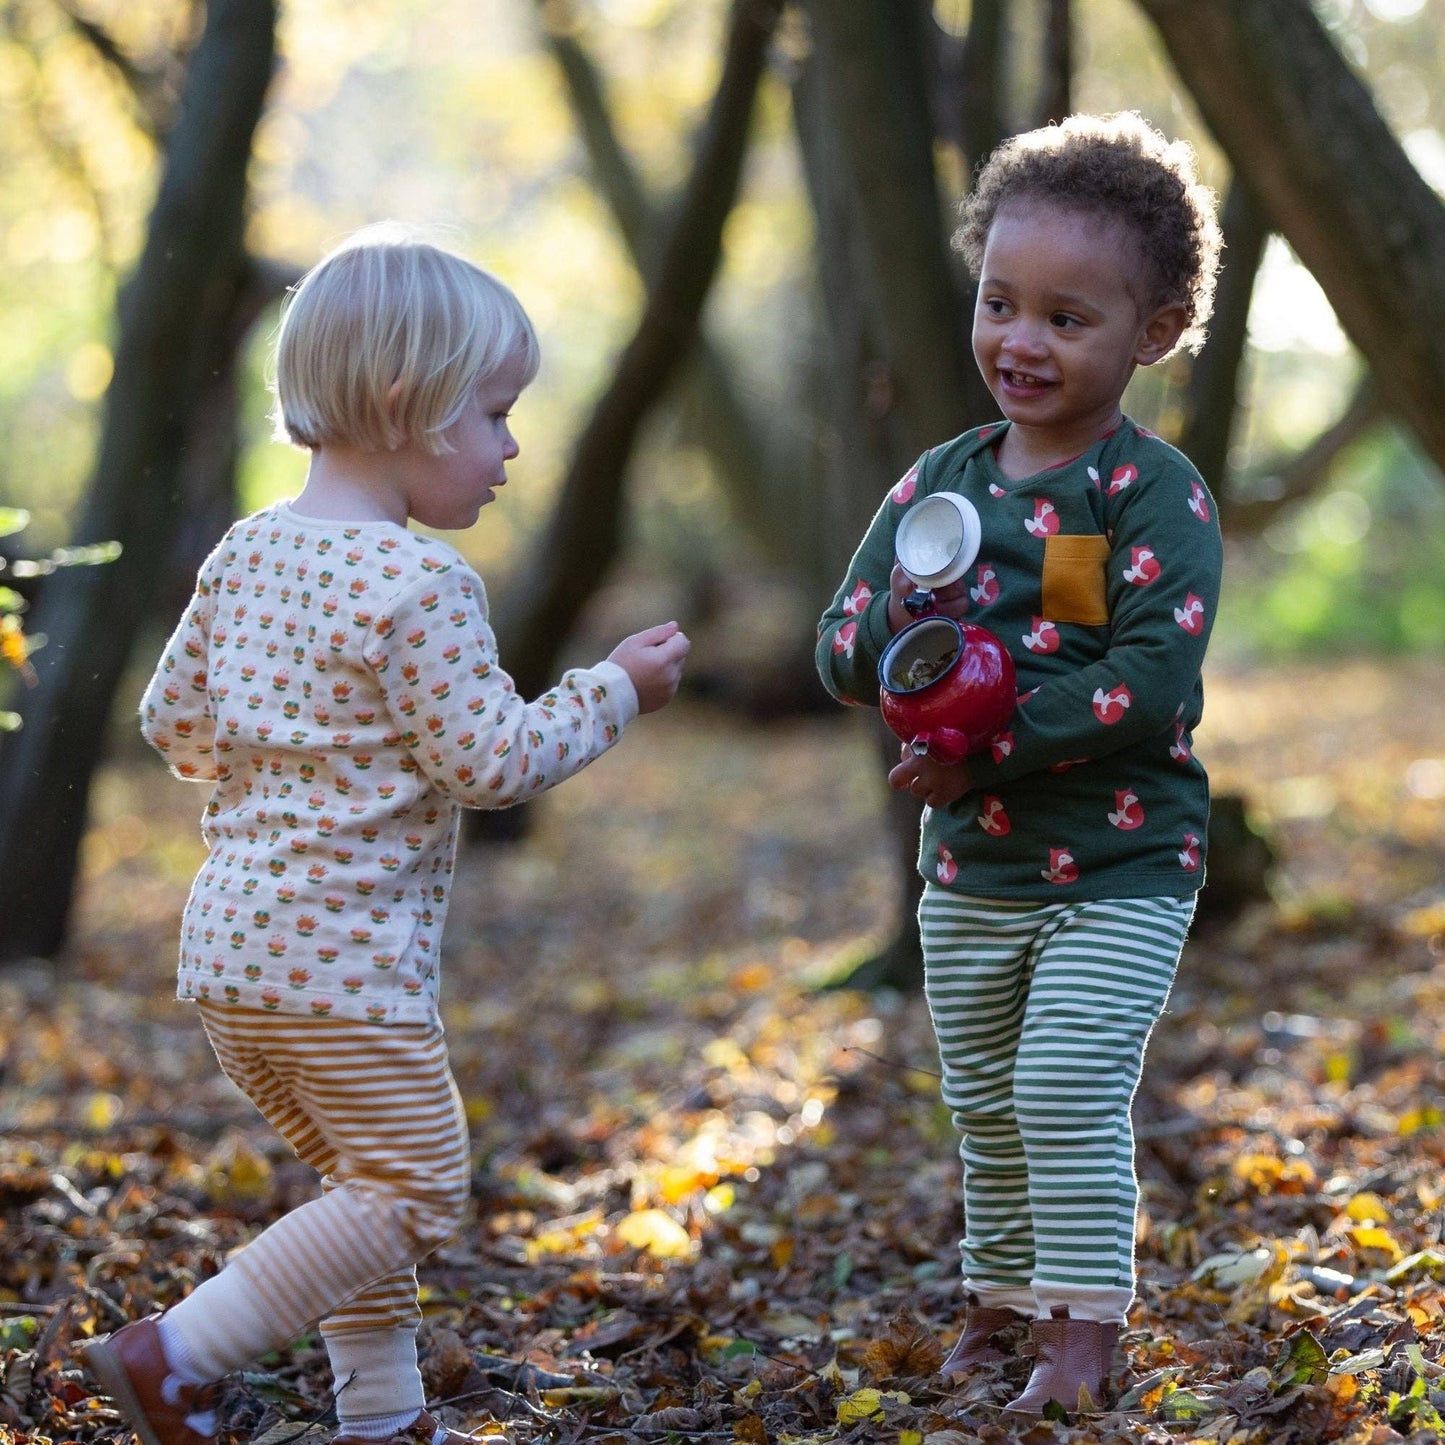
x: 339, y: 687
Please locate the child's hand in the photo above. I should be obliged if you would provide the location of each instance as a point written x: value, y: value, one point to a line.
x: 937, y: 784
x: 951, y: 601
x: 653, y: 660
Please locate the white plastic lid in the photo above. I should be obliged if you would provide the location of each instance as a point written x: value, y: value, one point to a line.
x: 938, y: 539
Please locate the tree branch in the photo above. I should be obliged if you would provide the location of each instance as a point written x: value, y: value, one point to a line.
x: 1302, y: 128
x: 170, y: 313
x: 716, y: 412
x: 584, y: 535
x: 1292, y: 479
x: 154, y: 88
x: 1212, y: 396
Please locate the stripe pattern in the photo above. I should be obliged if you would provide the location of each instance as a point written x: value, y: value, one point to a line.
x: 375, y: 1111
x: 1042, y: 1013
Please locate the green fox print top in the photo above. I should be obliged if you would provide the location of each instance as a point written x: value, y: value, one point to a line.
x: 338, y: 685
x: 1101, y: 577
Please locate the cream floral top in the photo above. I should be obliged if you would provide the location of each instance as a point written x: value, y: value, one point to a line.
x: 339, y: 686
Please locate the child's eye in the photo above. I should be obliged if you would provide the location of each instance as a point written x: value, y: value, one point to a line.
x: 995, y: 306
x: 1064, y: 321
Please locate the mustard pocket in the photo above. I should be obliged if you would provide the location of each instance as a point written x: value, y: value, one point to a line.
x: 1074, y: 581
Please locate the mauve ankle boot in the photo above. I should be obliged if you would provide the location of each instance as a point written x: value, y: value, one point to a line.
x: 976, y: 1341
x: 1072, y: 1362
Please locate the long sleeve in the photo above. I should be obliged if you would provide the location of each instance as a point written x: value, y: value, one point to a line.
x: 460, y: 717
x: 854, y: 630
x: 1101, y: 577
x: 175, y: 710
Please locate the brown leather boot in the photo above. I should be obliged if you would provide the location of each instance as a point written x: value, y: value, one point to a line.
x: 1072, y: 1361
x: 977, y: 1342
x: 131, y: 1367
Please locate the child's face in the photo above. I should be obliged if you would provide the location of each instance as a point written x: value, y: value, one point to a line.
x: 1059, y: 326
x: 448, y: 491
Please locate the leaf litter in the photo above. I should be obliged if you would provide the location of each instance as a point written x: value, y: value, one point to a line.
x: 714, y: 1201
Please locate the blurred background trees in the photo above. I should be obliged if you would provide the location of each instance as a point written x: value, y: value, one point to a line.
x: 730, y: 221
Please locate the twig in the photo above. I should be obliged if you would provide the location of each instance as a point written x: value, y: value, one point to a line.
x: 891, y: 1063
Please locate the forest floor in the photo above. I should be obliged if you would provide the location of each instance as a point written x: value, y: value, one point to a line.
x: 714, y: 1201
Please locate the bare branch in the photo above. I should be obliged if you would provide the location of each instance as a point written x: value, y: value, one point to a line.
x: 1293, y: 479
x: 154, y: 88
x: 581, y: 541
x: 1302, y: 127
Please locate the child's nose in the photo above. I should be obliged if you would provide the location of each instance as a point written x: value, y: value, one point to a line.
x: 1026, y: 338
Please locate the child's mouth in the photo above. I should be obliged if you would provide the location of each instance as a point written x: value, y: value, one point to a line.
x: 1023, y: 381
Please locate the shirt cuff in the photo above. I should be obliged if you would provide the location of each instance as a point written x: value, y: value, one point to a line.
x: 619, y: 684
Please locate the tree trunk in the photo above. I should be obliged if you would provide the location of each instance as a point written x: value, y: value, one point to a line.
x: 1212, y: 399
x: 1056, y: 96
x: 766, y: 497
x: 898, y: 311
x: 861, y: 453
x: 170, y: 314
x: 877, y: 58
x: 584, y: 535
x: 982, y: 89
x: 1302, y: 129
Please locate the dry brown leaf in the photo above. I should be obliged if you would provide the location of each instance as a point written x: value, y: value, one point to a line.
x: 673, y: 1417
x: 906, y: 1350
x: 445, y: 1363
x: 750, y: 1430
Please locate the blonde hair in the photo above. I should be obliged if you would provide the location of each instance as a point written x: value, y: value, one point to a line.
x: 385, y: 341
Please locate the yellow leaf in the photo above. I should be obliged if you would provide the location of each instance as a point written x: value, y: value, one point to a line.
x: 677, y: 1182
x: 236, y: 1172
x: 751, y: 977
x: 1367, y: 1209
x: 656, y: 1232
x: 1371, y: 1237
x: 101, y: 1111
x: 859, y: 1406
x: 1231, y: 1271
x: 1269, y: 1175
x: 1343, y: 1387
x: 910, y: 1437
x: 1412, y: 1121
x: 1423, y: 922
x: 566, y: 1236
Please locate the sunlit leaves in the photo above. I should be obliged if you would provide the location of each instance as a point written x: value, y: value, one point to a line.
x: 657, y: 1232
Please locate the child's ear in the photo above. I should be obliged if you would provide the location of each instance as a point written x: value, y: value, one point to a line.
x: 1160, y: 333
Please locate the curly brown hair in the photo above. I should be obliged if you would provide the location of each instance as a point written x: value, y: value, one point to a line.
x: 1120, y: 167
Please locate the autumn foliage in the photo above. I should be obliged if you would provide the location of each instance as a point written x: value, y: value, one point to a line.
x: 712, y: 1202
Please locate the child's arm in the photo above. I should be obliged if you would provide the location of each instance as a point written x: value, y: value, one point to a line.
x: 857, y: 626
x: 175, y: 711
x: 459, y: 714
x: 1163, y: 579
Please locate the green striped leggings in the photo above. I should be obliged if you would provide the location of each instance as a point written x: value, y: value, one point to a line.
x: 1042, y: 1012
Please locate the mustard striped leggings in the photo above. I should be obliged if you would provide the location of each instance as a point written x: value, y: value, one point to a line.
x: 374, y: 1109
x: 1042, y: 1012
